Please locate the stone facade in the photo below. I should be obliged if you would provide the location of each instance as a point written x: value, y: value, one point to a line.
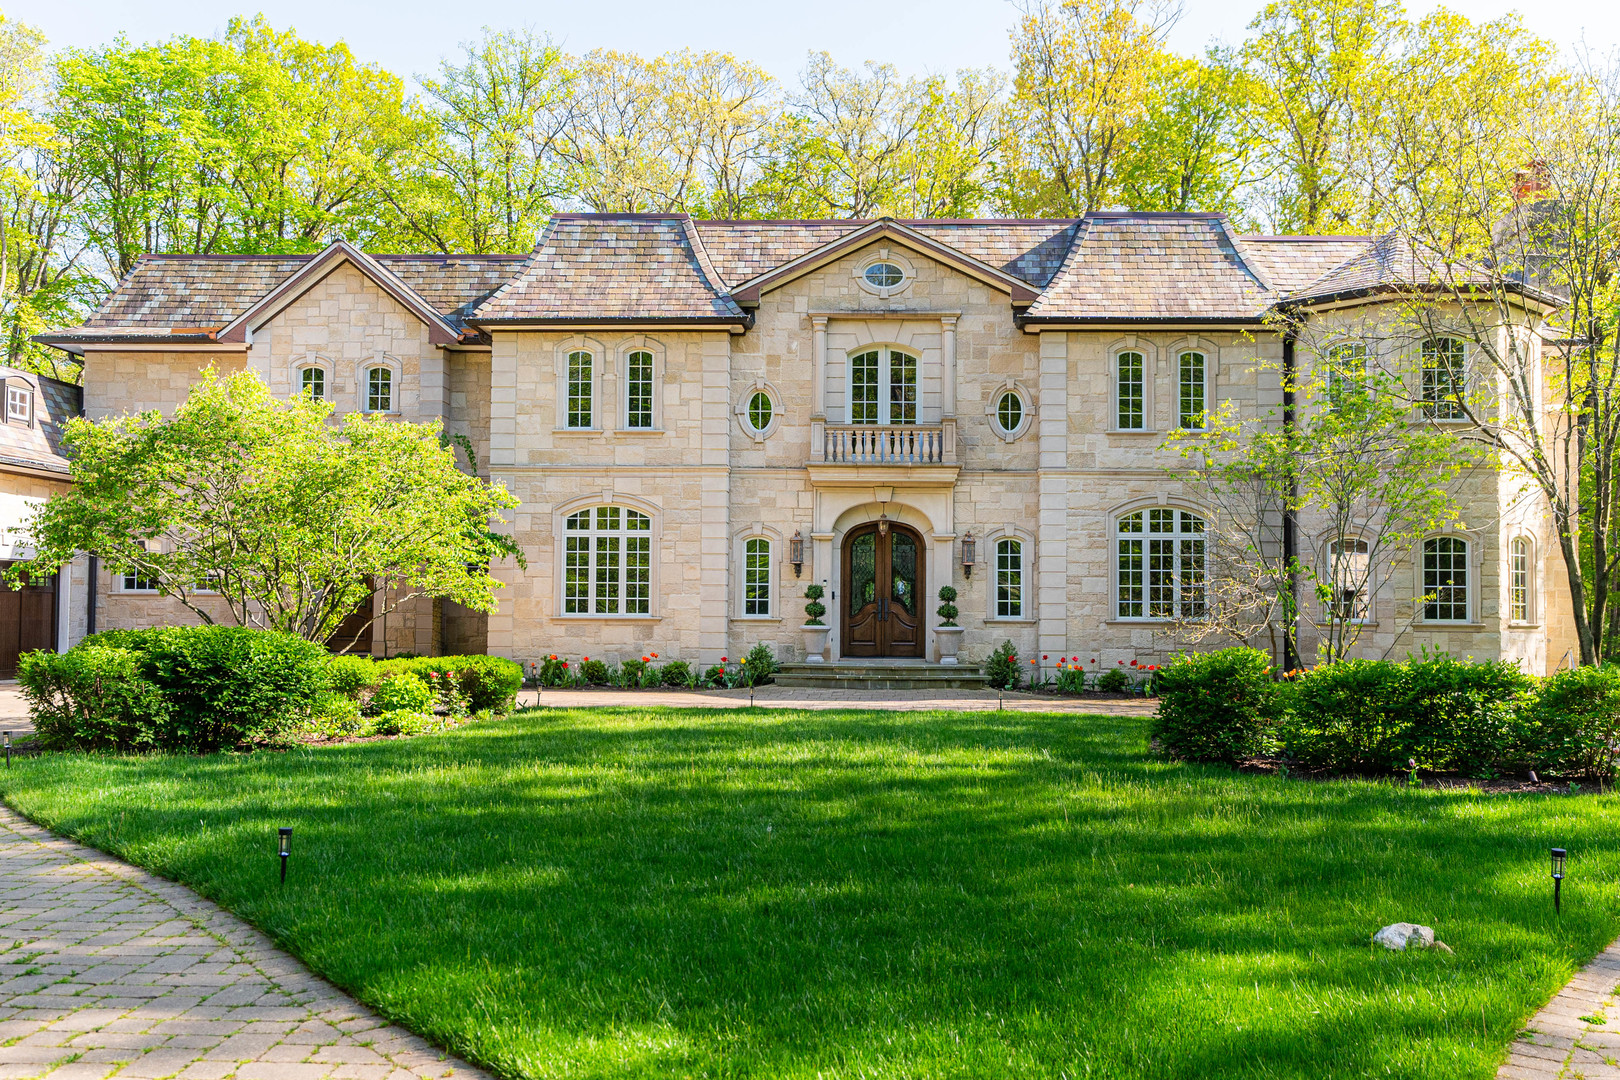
x: 659, y: 420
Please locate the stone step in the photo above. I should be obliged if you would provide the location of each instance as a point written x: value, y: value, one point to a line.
x: 859, y: 675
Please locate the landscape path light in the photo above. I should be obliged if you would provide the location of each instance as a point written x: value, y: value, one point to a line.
x: 285, y: 846
x: 8, y: 749
x: 1558, y: 857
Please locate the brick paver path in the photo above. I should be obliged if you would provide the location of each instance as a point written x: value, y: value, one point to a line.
x: 106, y: 970
x: 788, y: 697
x: 1561, y: 1042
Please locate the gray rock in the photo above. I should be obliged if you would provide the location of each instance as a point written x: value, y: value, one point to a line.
x: 1404, y: 935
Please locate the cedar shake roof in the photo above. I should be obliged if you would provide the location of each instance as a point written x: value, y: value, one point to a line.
x: 38, y: 445
x: 615, y: 267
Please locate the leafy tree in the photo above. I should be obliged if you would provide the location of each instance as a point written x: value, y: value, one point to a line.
x: 1190, y: 150
x: 291, y: 520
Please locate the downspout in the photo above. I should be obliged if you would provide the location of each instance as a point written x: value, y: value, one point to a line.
x: 1290, y: 525
x: 90, y: 594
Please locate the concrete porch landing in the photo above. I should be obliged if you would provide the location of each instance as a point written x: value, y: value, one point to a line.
x: 881, y: 675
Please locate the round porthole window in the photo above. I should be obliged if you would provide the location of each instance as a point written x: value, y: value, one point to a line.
x: 884, y: 275
x: 759, y: 411
x: 1010, y: 411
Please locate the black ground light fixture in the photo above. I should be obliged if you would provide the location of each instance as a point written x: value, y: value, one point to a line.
x: 8, y: 749
x: 1558, y: 857
x: 284, y: 850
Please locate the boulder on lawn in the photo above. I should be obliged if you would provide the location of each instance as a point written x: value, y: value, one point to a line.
x: 1404, y: 935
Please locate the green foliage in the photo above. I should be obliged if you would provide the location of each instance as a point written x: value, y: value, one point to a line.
x: 759, y: 666
x: 405, y: 721
x: 1215, y: 706
x: 401, y: 690
x: 631, y: 674
x: 553, y: 671
x: 595, y: 672
x: 1463, y: 716
x: 815, y: 609
x: 947, y: 609
x: 715, y: 676
x: 675, y: 673
x: 334, y: 716
x: 1346, y: 717
x: 1114, y: 681
x: 486, y: 682
x: 92, y: 697
x: 352, y: 676
x: 1002, y: 669
x: 1574, y: 726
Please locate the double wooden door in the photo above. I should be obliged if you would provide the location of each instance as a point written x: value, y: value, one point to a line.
x: 27, y: 621
x: 883, y: 591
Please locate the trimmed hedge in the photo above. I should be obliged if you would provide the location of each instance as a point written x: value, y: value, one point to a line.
x: 490, y: 682
x: 1215, y: 706
x: 193, y: 688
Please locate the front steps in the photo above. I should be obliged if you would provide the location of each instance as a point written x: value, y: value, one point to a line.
x: 881, y: 675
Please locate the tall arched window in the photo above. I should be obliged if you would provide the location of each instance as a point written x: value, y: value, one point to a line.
x: 638, y: 387
x: 1192, y: 391
x: 607, y: 562
x: 312, y: 381
x: 1130, y: 391
x: 580, y: 411
x: 1349, y: 570
x: 882, y: 387
x: 1445, y: 579
x: 379, y: 390
x: 1160, y: 564
x: 757, y: 576
x: 1009, y: 578
x: 1442, y: 379
x: 1519, y: 579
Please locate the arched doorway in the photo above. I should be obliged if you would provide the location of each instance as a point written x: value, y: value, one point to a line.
x: 883, y: 591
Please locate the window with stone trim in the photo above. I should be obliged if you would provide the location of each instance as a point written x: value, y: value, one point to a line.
x: 1009, y: 578
x: 312, y: 381
x: 883, y: 387
x: 1445, y: 579
x: 607, y: 562
x: 1348, y: 569
x: 757, y: 576
x: 581, y: 390
x: 379, y: 390
x: 638, y: 377
x: 1159, y: 563
x: 1442, y: 379
x: 133, y: 582
x: 1345, y: 371
x: 1192, y: 391
x: 1519, y: 579
x: 1130, y: 391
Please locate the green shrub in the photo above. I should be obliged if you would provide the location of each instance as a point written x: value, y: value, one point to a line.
x: 1003, y: 670
x: 594, y: 672
x: 488, y: 682
x: 405, y: 721
x: 715, y: 676
x: 815, y: 609
x: 675, y: 673
x: 335, y: 715
x: 1574, y: 724
x: 352, y: 676
x: 759, y: 666
x: 553, y: 671
x: 92, y: 697
x: 947, y: 611
x: 1347, y: 716
x: 631, y: 673
x: 1114, y: 681
x: 401, y: 690
x: 1215, y: 706
x: 1462, y: 716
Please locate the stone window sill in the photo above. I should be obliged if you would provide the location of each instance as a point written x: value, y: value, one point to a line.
x: 1440, y: 624
x: 1011, y: 622
x: 610, y: 618
x: 1129, y: 431
x: 758, y: 618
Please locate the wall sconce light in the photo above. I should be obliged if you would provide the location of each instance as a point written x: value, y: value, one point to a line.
x: 1558, y: 857
x: 968, y: 546
x: 796, y: 552
x: 285, y: 849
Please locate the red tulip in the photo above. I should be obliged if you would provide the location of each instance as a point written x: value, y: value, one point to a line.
x: 1121, y: 663
x: 1043, y: 656
x: 655, y: 656
x: 722, y: 659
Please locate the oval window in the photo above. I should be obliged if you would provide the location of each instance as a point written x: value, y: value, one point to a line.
x: 884, y: 275
x: 759, y: 411
x: 1010, y: 411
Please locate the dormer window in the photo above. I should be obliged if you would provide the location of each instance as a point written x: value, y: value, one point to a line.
x: 884, y: 275
x: 19, y: 404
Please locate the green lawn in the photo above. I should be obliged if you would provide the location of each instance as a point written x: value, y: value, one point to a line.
x: 673, y: 893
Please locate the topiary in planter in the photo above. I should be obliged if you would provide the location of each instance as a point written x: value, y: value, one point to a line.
x: 815, y: 609
x: 947, y: 609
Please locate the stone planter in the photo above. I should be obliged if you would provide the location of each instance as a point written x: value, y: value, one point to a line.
x: 815, y: 643
x: 950, y: 640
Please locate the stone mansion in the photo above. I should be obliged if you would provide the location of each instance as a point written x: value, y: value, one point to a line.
x: 703, y: 417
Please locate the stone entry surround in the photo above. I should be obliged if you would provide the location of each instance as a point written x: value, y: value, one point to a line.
x: 109, y: 971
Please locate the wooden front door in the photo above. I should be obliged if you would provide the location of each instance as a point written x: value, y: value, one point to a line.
x: 27, y: 621
x: 883, y: 591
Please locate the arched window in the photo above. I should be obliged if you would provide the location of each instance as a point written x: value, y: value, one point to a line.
x: 1348, y: 570
x: 607, y: 562
x: 1130, y: 391
x: 1009, y: 578
x: 1192, y: 390
x: 1160, y: 561
x: 882, y: 387
x: 581, y: 389
x: 379, y: 390
x: 312, y: 381
x: 1519, y: 579
x: 757, y: 576
x: 1442, y: 379
x: 638, y: 384
x: 1445, y: 579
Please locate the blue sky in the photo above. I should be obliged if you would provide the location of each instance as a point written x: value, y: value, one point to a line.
x: 918, y: 36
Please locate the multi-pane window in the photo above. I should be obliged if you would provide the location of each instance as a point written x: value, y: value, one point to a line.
x: 1445, y: 579
x: 1193, y: 398
x: 757, y: 576
x: 19, y: 404
x: 638, y: 376
x: 312, y: 381
x: 1519, y: 574
x: 760, y: 410
x: 1348, y: 570
x: 581, y: 388
x: 379, y: 390
x: 1130, y: 391
x: 134, y: 582
x: 607, y: 562
x: 1160, y: 564
x: 1009, y: 579
x: 1346, y: 370
x: 1010, y: 412
x: 1442, y: 379
x: 883, y: 387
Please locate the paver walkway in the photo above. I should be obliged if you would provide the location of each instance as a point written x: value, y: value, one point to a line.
x: 787, y: 697
x: 107, y: 970
x: 1561, y: 1042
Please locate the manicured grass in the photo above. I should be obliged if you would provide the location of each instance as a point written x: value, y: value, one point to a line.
x: 673, y: 893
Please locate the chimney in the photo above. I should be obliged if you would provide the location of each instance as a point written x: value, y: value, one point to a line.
x: 1531, y: 180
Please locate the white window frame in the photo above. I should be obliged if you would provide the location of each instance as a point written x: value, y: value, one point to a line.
x: 599, y: 404
x: 1204, y: 373
x: 885, y: 384
x: 1441, y: 410
x: 758, y: 584
x: 1185, y: 544
x: 622, y: 365
x: 992, y: 410
x: 1469, y: 588
x: 1333, y: 363
x: 131, y: 583
x: 305, y: 370
x: 1528, y: 544
x: 1330, y: 575
x: 612, y: 540
x: 18, y: 390
x: 908, y: 273
x: 1116, y: 380
x: 1017, y: 609
x: 745, y: 403
x: 367, y: 398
